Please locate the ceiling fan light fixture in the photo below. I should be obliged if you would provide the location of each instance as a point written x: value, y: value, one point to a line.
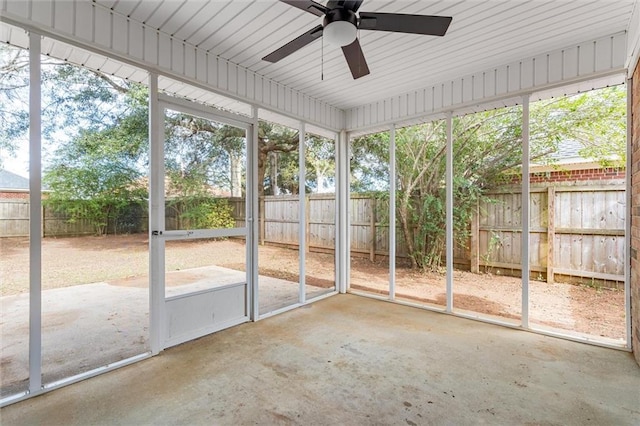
x: 340, y: 26
x: 340, y: 33
x: 341, y: 23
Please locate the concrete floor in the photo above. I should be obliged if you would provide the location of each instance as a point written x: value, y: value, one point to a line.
x: 102, y: 323
x: 352, y: 360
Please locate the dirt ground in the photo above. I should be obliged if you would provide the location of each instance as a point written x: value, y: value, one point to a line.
x: 73, y: 261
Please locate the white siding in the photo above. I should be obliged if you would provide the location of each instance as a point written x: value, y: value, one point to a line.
x: 92, y: 27
x: 589, y: 60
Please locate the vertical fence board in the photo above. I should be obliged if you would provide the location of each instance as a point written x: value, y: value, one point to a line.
x: 551, y: 233
x: 574, y: 231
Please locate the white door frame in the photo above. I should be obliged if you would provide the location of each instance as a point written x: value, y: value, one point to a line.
x: 158, y: 234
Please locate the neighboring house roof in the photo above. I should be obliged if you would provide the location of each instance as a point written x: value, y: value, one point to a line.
x: 566, y: 157
x: 13, y: 182
x: 568, y: 151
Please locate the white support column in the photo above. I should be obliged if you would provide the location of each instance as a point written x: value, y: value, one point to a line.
x: 342, y: 199
x: 392, y: 212
x: 525, y: 211
x: 253, y: 209
x: 302, y: 212
x: 156, y: 219
x: 347, y: 216
x: 35, y: 215
x: 449, y: 211
x: 627, y: 225
x: 336, y: 215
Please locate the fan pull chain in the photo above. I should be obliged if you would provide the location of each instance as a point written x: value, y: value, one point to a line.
x: 321, y: 58
x: 359, y: 56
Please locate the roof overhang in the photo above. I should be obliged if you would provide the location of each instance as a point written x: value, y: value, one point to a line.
x: 495, y: 53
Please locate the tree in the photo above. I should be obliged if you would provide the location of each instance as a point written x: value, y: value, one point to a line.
x: 487, y: 151
x: 206, y: 152
x: 14, y: 86
x: 277, y: 159
x: 96, y: 175
x: 596, y: 119
x: 369, y: 163
x: 492, y: 137
x: 72, y: 98
x: 320, y: 164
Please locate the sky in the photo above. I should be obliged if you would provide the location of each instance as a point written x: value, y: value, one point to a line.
x: 18, y: 164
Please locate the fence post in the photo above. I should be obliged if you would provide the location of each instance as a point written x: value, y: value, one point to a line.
x: 372, y: 251
x: 551, y: 231
x: 475, y: 240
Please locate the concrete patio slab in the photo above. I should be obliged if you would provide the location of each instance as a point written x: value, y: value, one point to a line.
x: 352, y: 360
x: 91, y: 325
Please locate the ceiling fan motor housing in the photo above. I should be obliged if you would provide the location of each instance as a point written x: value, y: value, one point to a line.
x: 340, y: 26
x: 340, y: 14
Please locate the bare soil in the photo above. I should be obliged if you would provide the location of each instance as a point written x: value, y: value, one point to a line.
x: 123, y: 259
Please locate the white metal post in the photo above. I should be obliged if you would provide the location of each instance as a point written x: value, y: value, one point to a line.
x: 627, y: 225
x: 336, y: 214
x: 302, y: 211
x: 342, y: 199
x: 449, y: 211
x: 346, y: 223
x: 392, y: 212
x: 254, y: 220
x: 35, y: 215
x: 156, y: 218
x: 525, y: 211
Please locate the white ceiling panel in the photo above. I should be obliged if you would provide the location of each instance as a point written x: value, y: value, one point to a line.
x: 123, y: 7
x: 198, y: 23
x: 144, y: 10
x: 483, y: 35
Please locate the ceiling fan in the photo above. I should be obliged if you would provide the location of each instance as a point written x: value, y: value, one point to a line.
x: 342, y: 22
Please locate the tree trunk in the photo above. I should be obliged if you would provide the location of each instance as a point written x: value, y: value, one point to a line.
x: 262, y: 159
x: 403, y: 213
x: 273, y: 173
x: 236, y: 175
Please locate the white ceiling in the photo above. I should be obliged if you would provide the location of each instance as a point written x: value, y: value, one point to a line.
x: 482, y: 34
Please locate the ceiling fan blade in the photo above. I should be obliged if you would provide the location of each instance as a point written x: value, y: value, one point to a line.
x: 295, y: 44
x: 355, y: 58
x: 401, y: 23
x: 352, y: 5
x: 308, y: 6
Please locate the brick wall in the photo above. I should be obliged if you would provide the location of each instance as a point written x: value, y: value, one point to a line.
x: 577, y: 175
x: 12, y: 195
x: 634, y: 122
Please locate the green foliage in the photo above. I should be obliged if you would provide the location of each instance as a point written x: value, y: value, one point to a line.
x: 369, y: 163
x: 493, y: 246
x: 596, y: 119
x: 277, y: 159
x: 96, y: 175
x: 14, y: 94
x: 487, y: 153
x: 206, y: 213
x: 204, y: 153
x: 320, y: 164
x: 72, y: 98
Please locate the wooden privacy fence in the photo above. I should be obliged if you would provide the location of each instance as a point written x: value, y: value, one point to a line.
x: 575, y: 231
x: 584, y: 223
x: 14, y: 217
x: 279, y: 223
